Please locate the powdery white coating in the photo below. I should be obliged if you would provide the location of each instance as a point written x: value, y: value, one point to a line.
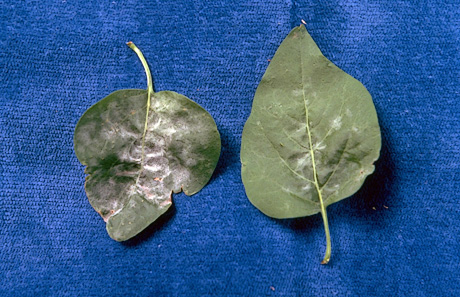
x: 131, y: 174
x: 169, y: 131
x: 336, y: 124
x: 297, y: 92
x: 307, y: 187
x: 153, y: 168
x: 301, y: 128
x: 153, y: 154
x: 304, y: 162
x: 131, y: 191
x: 319, y: 146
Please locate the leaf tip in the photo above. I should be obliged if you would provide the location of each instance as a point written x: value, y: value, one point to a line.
x: 303, y: 22
x: 129, y: 43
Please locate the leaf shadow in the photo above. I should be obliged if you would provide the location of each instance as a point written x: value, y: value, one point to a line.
x: 148, y: 232
x: 306, y: 230
x: 375, y: 198
x: 302, y: 225
x: 227, y: 156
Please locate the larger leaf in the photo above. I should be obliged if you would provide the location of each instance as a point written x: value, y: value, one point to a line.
x: 312, y: 136
x: 140, y: 147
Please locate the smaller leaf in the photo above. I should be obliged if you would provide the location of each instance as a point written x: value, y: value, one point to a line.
x: 139, y: 147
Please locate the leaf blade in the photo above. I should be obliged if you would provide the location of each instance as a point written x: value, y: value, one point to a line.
x: 298, y: 79
x: 312, y: 136
x: 129, y: 161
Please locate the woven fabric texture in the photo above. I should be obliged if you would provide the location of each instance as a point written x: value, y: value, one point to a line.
x: 398, y: 236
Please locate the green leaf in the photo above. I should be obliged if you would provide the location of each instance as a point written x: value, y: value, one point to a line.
x: 312, y: 136
x: 139, y: 147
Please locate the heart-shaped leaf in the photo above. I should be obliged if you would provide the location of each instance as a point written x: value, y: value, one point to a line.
x: 139, y: 147
x: 312, y: 136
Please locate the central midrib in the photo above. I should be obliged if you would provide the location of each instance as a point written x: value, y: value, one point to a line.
x: 149, y: 95
x: 312, y: 153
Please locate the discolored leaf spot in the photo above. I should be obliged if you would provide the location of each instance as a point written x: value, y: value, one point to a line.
x: 312, y: 136
x: 140, y: 147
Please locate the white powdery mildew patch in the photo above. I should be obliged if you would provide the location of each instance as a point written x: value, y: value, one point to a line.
x: 153, y: 126
x: 131, y: 154
x: 169, y: 131
x: 191, y: 162
x: 319, y: 146
x: 152, y: 187
x: 153, y: 154
x: 125, y: 133
x: 163, y: 171
x: 158, y: 104
x: 154, y: 193
x: 303, y: 162
x: 109, y: 133
x: 307, y: 187
x: 85, y: 135
x: 180, y: 176
x: 284, y: 189
x: 153, y: 168
x: 331, y: 188
x: 297, y: 92
x: 336, y: 124
x: 151, y: 183
x: 302, y: 129
x: 132, y: 190
x: 115, y: 133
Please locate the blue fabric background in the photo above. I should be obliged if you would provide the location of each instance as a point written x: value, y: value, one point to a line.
x: 57, y: 58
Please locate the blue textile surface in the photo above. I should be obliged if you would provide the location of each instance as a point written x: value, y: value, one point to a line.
x: 398, y: 236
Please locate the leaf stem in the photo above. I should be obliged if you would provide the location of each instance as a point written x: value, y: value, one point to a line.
x: 144, y: 63
x: 149, y: 96
x: 327, y: 255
